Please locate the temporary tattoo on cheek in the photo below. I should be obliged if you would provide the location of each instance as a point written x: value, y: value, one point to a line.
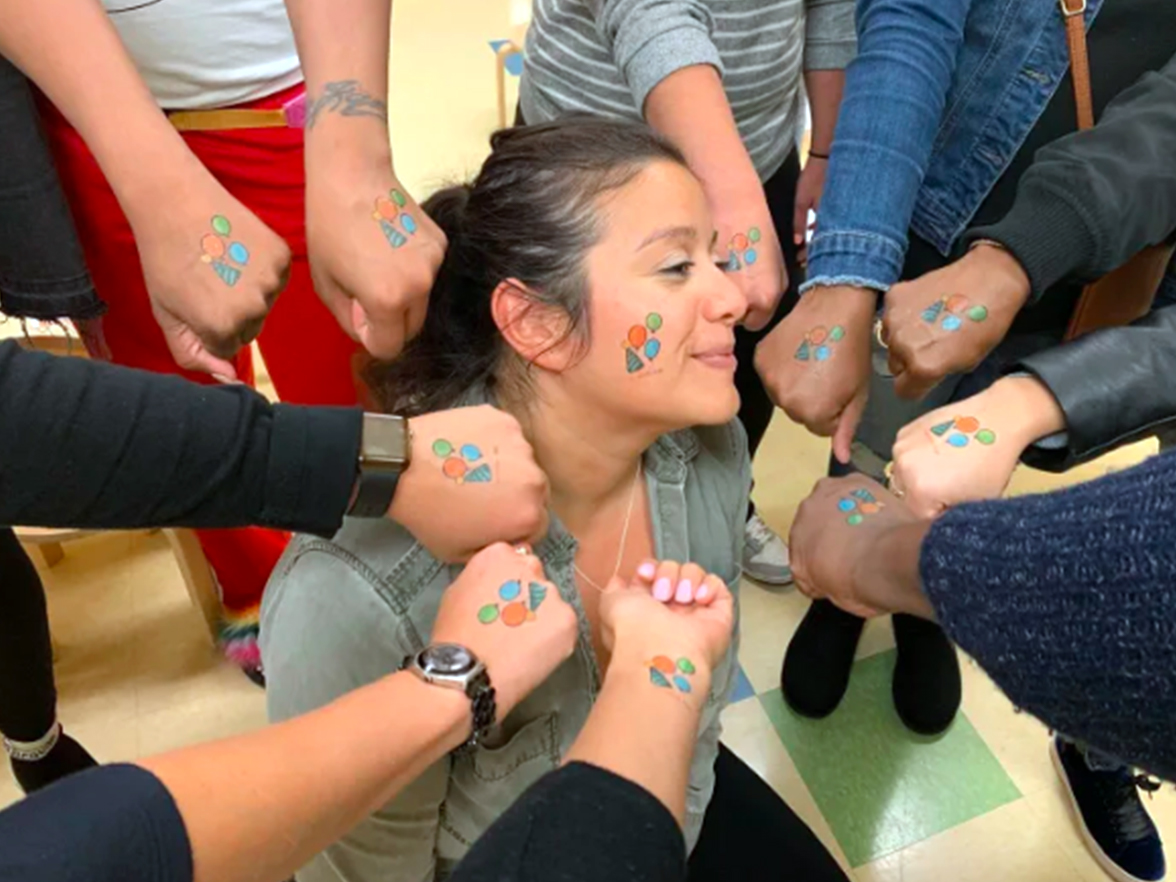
x: 513, y: 609
x: 741, y: 250
x: 391, y: 209
x: 461, y: 464
x: 220, y: 253
x: 948, y: 311
x: 858, y: 505
x: 642, y: 341
x: 665, y: 673
x: 818, y: 343
x: 960, y: 431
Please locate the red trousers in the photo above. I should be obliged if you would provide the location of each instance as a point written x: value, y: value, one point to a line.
x: 310, y: 360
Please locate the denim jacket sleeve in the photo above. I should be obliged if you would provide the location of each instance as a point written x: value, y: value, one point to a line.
x: 651, y: 39
x: 327, y: 632
x: 895, y: 94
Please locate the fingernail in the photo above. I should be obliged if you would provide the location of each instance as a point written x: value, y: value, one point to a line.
x: 662, y: 590
x: 685, y: 591
x: 228, y: 381
x: 703, y: 591
x: 646, y: 571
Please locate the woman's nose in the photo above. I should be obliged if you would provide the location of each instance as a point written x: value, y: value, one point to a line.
x: 726, y: 301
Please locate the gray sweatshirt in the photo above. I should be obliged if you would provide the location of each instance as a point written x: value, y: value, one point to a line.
x: 606, y: 56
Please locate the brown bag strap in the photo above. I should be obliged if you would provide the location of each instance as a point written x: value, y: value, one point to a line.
x: 1074, y: 11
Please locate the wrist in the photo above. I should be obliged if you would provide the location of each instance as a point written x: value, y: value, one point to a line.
x: 886, y: 572
x: 347, y: 148
x: 1000, y: 270
x: 1039, y: 414
x: 448, y: 709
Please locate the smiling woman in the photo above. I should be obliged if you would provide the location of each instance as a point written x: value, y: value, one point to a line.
x: 582, y: 293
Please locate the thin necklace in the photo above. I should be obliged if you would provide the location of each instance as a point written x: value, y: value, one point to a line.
x: 624, y: 534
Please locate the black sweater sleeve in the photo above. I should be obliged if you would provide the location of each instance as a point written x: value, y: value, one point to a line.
x: 1093, y: 199
x: 91, y: 445
x: 1107, y: 384
x: 110, y: 824
x: 1068, y: 601
x: 579, y: 824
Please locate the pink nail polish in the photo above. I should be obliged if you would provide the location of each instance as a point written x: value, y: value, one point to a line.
x: 662, y: 590
x: 702, y: 594
x: 685, y: 592
x: 646, y: 571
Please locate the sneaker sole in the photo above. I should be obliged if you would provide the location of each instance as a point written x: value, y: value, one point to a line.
x: 777, y: 581
x: 1092, y: 847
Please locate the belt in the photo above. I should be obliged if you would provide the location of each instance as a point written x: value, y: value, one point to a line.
x: 291, y: 115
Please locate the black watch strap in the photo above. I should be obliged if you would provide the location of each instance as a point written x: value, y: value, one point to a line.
x: 373, y: 496
x: 484, y: 706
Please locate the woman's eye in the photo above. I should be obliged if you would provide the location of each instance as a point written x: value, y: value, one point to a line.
x: 679, y: 269
x: 726, y: 264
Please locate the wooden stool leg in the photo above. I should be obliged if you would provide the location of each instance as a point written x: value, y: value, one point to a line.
x: 197, y: 577
x: 51, y: 553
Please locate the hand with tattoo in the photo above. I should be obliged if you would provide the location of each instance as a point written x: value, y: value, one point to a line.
x: 816, y: 363
x: 373, y: 252
x: 747, y: 238
x: 949, y: 320
x: 671, y: 621
x: 968, y: 450
x: 472, y: 480
x: 521, y: 656
x: 212, y: 269
x: 831, y: 551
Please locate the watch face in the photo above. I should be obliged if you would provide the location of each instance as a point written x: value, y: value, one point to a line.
x: 447, y: 658
x: 384, y: 439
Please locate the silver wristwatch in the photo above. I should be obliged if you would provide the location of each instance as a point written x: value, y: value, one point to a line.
x: 453, y: 666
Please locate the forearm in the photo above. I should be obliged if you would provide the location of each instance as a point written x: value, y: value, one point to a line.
x: 91, y: 445
x: 315, y: 776
x: 903, y: 70
x: 661, y: 725
x: 1093, y: 199
x: 1105, y: 386
x: 824, y: 89
x: 71, y: 50
x: 344, y: 53
x: 690, y: 108
x: 887, y: 578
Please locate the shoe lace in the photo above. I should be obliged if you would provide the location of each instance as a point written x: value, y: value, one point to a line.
x: 1133, y: 821
x: 759, y: 533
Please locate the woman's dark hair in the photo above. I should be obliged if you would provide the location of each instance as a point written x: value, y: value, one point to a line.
x: 531, y: 215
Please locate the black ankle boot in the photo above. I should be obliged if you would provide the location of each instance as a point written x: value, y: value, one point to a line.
x: 66, y: 758
x: 926, y: 684
x: 819, y: 658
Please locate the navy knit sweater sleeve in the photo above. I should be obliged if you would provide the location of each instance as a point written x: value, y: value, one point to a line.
x: 1068, y: 601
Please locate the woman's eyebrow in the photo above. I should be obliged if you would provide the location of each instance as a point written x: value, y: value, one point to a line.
x: 681, y: 232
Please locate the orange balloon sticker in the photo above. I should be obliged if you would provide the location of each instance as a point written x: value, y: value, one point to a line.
x: 453, y: 468
x: 515, y: 614
x: 967, y: 424
x: 386, y: 209
x: 212, y: 245
x: 957, y: 303
x: 740, y: 242
x: 818, y: 335
x: 663, y: 664
x: 637, y: 335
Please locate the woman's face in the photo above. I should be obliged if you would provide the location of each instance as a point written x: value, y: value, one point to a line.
x: 662, y: 312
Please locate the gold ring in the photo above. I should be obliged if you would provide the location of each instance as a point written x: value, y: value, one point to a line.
x: 522, y: 551
x: 878, y: 334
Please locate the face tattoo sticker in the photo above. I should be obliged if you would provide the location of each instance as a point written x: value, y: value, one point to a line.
x: 642, y: 341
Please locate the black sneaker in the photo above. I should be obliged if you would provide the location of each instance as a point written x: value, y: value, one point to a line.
x: 819, y: 658
x: 1111, y: 818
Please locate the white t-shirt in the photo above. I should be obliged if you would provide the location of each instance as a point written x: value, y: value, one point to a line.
x: 199, y: 54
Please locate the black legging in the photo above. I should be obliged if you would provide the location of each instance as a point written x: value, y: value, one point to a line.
x: 751, y: 835
x: 28, y: 696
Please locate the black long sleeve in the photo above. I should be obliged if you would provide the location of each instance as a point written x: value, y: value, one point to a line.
x: 1093, y: 199
x: 90, y: 445
x: 1112, y: 386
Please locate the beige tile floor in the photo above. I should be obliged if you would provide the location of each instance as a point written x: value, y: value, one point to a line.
x: 137, y: 675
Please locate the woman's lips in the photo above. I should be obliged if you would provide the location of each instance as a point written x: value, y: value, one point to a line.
x: 719, y: 359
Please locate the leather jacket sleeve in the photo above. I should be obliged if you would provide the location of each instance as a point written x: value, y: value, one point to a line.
x: 1114, y: 387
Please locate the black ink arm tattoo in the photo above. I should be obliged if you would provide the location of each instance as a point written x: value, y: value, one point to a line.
x: 345, y: 98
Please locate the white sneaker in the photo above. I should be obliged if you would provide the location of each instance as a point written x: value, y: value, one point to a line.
x: 765, y: 555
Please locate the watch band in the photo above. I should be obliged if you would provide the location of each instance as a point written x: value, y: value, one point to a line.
x: 374, y: 493
x: 484, y: 704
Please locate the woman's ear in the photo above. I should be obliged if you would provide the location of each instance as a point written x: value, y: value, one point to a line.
x: 537, y: 332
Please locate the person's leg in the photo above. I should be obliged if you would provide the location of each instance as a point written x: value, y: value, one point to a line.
x: 750, y: 834
x: 1111, y: 818
x: 39, y: 752
x: 765, y: 555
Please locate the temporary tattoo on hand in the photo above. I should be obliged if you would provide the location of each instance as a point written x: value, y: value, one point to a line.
x: 222, y: 254
x: 741, y: 250
x: 514, y: 611
x: 345, y: 98
x: 818, y: 343
x: 858, y: 505
x: 954, y: 306
x: 389, y: 209
x: 666, y: 673
x: 641, y: 338
x: 958, y: 430
x: 459, y: 462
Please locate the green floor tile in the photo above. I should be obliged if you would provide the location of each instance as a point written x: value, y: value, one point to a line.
x: 880, y: 787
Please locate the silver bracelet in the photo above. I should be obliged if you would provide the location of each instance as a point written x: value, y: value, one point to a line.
x: 32, y: 751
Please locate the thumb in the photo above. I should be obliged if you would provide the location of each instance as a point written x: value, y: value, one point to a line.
x: 383, y: 338
x: 190, y: 353
x: 615, y: 584
x: 847, y: 425
x: 799, y: 219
